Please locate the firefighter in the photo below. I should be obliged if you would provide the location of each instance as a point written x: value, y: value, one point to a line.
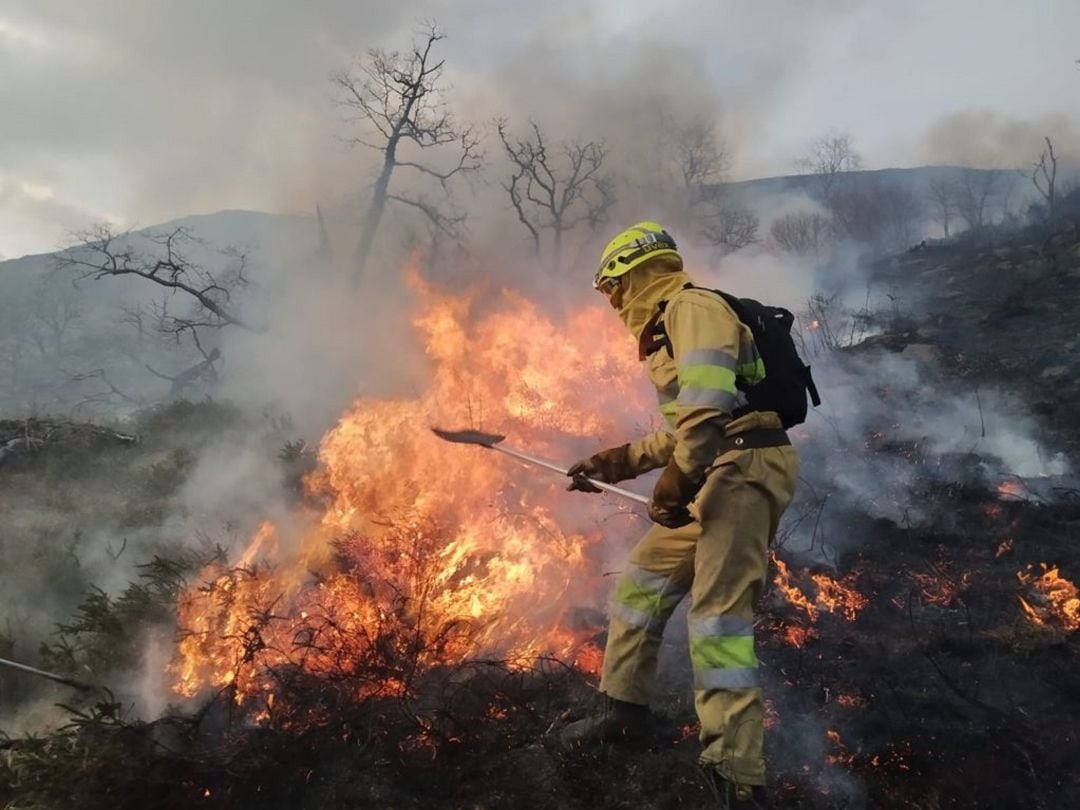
x: 728, y: 474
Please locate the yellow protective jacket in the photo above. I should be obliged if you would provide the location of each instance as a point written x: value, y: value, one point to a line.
x: 712, y: 355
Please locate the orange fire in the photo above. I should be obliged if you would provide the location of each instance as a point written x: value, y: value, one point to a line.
x: 1053, y: 600
x: 834, y: 597
x: 851, y: 701
x: 790, y: 591
x: 838, y: 597
x: 841, y: 755
x: 1013, y: 489
x: 797, y: 636
x: 423, y: 552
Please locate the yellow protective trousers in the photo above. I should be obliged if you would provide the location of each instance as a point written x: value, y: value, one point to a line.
x: 721, y: 561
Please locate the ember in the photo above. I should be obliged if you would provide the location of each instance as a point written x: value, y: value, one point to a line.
x: 797, y: 635
x: 688, y: 731
x: 851, y: 701
x: 940, y: 589
x: 841, y: 755
x: 424, y: 556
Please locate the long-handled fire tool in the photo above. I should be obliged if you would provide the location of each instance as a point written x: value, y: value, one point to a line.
x: 492, y: 442
x: 52, y: 676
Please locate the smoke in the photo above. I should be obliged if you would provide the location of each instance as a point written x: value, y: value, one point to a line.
x: 992, y: 139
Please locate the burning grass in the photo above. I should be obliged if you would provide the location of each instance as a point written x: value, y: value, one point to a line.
x: 448, y: 551
x: 1052, y: 600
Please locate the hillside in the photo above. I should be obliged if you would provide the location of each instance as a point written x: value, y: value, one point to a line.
x: 920, y: 634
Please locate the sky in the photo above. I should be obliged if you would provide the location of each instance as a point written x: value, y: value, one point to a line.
x: 139, y: 112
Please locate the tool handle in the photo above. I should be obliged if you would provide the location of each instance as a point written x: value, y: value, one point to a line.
x: 52, y: 676
x: 539, y: 462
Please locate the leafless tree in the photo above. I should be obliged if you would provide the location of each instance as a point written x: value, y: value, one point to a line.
x: 15, y: 340
x: 400, y: 101
x: 942, y: 194
x: 695, y: 158
x: 207, y: 298
x: 694, y: 161
x: 802, y: 232
x: 203, y: 371
x: 1044, y: 176
x: 103, y: 392
x: 56, y: 310
x: 556, y: 188
x: 727, y: 225
x: 826, y: 158
x: 877, y: 213
x: 323, y: 253
x: 976, y: 193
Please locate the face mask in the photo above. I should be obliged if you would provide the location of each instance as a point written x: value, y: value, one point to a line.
x: 641, y: 292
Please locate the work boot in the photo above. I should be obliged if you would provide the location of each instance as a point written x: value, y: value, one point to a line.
x: 615, y: 722
x: 732, y: 796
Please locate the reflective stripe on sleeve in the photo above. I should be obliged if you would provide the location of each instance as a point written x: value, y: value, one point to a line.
x: 715, y: 377
x: 709, y: 357
x: 707, y: 397
x: 707, y: 377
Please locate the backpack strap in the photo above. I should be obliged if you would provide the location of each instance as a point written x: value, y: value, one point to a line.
x: 654, y: 336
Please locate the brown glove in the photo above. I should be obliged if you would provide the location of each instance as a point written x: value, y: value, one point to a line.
x: 609, y: 466
x: 671, y: 497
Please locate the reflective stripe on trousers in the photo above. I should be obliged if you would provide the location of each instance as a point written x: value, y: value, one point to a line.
x: 645, y: 599
x: 722, y: 653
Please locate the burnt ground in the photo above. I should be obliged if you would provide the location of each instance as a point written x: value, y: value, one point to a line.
x: 940, y: 693
x: 1001, y: 311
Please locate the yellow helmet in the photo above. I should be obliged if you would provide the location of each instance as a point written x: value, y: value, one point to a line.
x: 638, y: 243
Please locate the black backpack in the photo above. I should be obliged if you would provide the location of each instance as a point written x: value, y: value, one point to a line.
x: 787, y: 379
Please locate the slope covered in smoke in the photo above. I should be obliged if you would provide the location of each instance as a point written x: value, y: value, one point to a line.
x: 919, y: 637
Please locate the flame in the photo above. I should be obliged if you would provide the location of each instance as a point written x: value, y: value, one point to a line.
x: 1014, y: 489
x: 1056, y: 602
x: 424, y: 552
x: 838, y: 597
